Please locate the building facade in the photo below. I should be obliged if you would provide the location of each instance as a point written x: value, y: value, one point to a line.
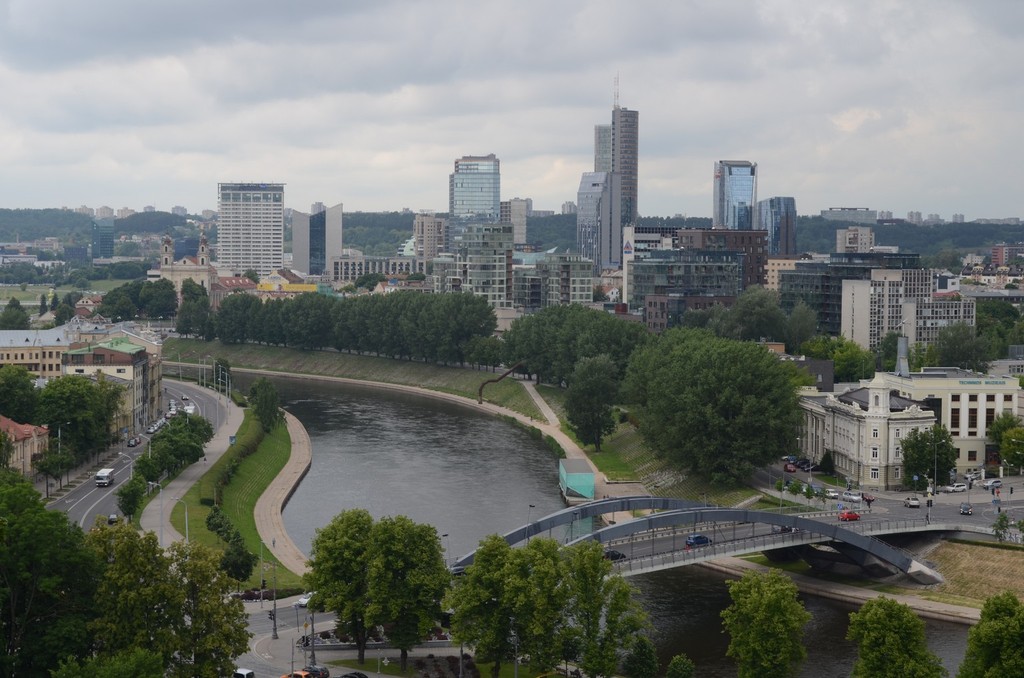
x: 599, y: 219
x: 197, y: 268
x: 29, y: 442
x: 626, y: 158
x: 858, y: 215
x: 122, y: 360
x: 752, y: 246
x: 474, y: 188
x: 103, y: 238
x: 514, y: 212
x: 556, y: 279
x: 352, y: 264
x: 735, y: 195
x: 854, y: 239
x: 316, y: 237
x: 38, y: 351
x: 250, y: 227
x: 689, y: 275
x: 777, y: 216
x: 429, y: 232
x: 481, y: 264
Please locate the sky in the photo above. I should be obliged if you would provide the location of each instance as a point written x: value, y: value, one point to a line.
x: 893, y: 105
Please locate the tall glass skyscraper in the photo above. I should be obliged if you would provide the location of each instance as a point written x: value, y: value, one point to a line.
x: 474, y: 188
x: 316, y: 237
x: 616, y: 149
x: 103, y: 238
x: 599, y: 220
x: 778, y: 216
x: 735, y: 195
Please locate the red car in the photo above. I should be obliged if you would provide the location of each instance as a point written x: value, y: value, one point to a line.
x: 848, y: 515
x: 790, y: 468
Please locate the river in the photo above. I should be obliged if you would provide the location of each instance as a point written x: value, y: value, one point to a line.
x: 470, y: 475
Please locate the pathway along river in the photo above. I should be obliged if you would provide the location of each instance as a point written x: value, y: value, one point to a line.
x: 471, y: 475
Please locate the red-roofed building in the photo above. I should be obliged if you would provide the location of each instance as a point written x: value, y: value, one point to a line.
x: 226, y: 285
x: 29, y: 443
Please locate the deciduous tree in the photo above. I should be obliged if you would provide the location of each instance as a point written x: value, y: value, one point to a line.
x: 959, y: 345
x: 925, y: 453
x: 766, y: 623
x: 18, y: 394
x: 995, y: 645
x: 891, y: 642
x: 681, y: 666
x: 265, y: 403
x: 592, y: 391
x: 642, y: 660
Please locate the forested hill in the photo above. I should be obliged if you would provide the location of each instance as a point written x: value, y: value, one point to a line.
x: 816, y: 234
x: 22, y: 225
x: 149, y: 222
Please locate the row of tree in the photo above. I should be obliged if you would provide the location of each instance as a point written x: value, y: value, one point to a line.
x: 111, y: 599
x: 149, y: 299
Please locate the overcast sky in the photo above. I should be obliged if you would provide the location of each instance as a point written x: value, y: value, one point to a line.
x: 901, y: 105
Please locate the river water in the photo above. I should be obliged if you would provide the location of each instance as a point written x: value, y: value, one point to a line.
x: 471, y: 475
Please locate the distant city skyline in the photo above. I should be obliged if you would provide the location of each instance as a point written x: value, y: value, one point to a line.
x: 840, y: 104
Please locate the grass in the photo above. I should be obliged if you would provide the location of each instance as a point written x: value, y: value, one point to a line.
x: 508, y: 393
x: 239, y: 498
x: 32, y: 292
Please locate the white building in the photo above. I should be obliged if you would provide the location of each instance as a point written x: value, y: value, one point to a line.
x: 250, y: 229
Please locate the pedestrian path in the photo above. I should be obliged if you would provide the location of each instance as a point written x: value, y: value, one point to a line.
x: 269, y: 507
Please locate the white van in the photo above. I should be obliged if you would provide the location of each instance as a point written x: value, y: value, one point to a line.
x: 104, y: 477
x: 243, y: 673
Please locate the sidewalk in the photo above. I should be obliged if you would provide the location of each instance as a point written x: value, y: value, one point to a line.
x: 152, y: 520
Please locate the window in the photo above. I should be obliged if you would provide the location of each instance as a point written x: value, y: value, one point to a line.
x: 874, y: 474
x: 874, y: 433
x: 897, y: 434
x: 899, y: 452
x: 972, y: 455
x: 896, y: 472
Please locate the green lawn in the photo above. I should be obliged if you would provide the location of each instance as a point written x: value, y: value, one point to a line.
x: 30, y: 295
x: 460, y: 381
x: 253, y: 476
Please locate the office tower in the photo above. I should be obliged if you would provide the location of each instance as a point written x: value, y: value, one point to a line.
x: 474, y: 188
x: 735, y: 194
x: 514, y: 212
x: 568, y: 207
x: 428, y: 232
x: 625, y: 156
x: 103, y: 238
x: 602, y: 148
x: 480, y: 263
x: 316, y: 237
x: 250, y: 229
x: 599, y: 219
x: 778, y: 217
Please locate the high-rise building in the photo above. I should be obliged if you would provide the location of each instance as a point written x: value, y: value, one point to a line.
x: 735, y: 194
x: 625, y: 158
x: 855, y: 239
x: 250, y: 229
x: 599, y: 219
x: 514, y: 212
x: 316, y: 237
x: 778, y: 217
x: 103, y: 238
x: 602, y: 148
x: 428, y: 232
x: 474, y: 188
x: 481, y: 263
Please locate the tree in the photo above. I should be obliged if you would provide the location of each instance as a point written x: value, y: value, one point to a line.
x: 79, y: 410
x: 601, y: 608
x: 18, y: 393
x: 237, y: 561
x: 927, y: 452
x: 535, y: 577
x: 6, y: 450
x: 337, y: 571
x: 719, y: 407
x: 49, y: 579
x: 642, y: 660
x: 1001, y: 526
x: 996, y: 429
x: 265, y: 403
x: 44, y: 306
x: 891, y: 642
x: 589, y: 398
x: 406, y: 578
x: 801, y: 326
x: 1011, y: 445
x: 995, y: 645
x: 960, y: 346
x: 766, y: 622
x: 755, y: 315
x: 252, y: 275
x: 681, y: 666
x: 125, y: 664
x: 130, y: 495
x: 210, y: 626
x: 14, y: 317
x: 158, y: 299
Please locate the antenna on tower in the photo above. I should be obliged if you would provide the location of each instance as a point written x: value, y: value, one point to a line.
x: 616, y: 90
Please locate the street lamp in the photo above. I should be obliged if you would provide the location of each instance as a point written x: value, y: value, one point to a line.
x: 529, y: 514
x: 447, y: 548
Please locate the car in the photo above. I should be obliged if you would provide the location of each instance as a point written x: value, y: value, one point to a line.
x: 847, y: 516
x: 112, y: 519
x: 831, y: 494
x: 911, y: 502
x: 803, y: 464
x: 790, y: 458
x: 151, y: 429
x: 957, y: 487
x: 184, y: 396
x: 992, y: 483
x: 784, y: 529
x: 966, y: 509
x: 696, y: 540
x: 297, y: 674
x: 813, y: 468
x: 612, y: 554
x: 134, y: 442
x: 354, y: 674
x: 789, y: 468
x: 972, y: 475
x: 304, y: 599
x: 850, y: 495
x: 317, y: 671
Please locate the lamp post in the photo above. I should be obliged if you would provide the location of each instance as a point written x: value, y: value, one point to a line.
x: 529, y: 515
x: 447, y: 548
x: 312, y: 632
x: 161, y: 497
x: 274, y: 617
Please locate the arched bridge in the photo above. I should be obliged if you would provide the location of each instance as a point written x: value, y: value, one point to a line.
x: 653, y: 542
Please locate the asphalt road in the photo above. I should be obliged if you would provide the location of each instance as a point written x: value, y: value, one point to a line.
x: 88, y: 502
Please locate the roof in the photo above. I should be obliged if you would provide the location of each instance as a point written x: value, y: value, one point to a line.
x: 860, y: 398
x: 18, y: 432
x: 576, y: 466
x: 119, y: 344
x: 33, y: 338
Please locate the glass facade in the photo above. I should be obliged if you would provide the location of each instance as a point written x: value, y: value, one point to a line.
x: 318, y: 243
x: 778, y: 217
x: 598, y: 219
x: 474, y: 188
x: 735, y: 194
x: 685, y: 273
x: 103, y: 238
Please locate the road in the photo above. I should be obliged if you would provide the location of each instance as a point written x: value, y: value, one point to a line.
x: 86, y: 502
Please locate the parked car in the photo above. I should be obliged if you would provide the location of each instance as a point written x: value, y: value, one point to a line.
x: 972, y: 475
x: 789, y: 468
x: 850, y: 495
x: 790, y: 458
x: 846, y: 516
x: 992, y: 482
x: 831, y: 494
x: 184, y: 396
x: 612, y: 554
x: 966, y: 509
x: 112, y: 519
x: 911, y: 502
x: 957, y: 487
x: 813, y: 468
x: 297, y: 674
x: 695, y: 540
x: 317, y: 671
x: 304, y: 599
x: 133, y: 442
